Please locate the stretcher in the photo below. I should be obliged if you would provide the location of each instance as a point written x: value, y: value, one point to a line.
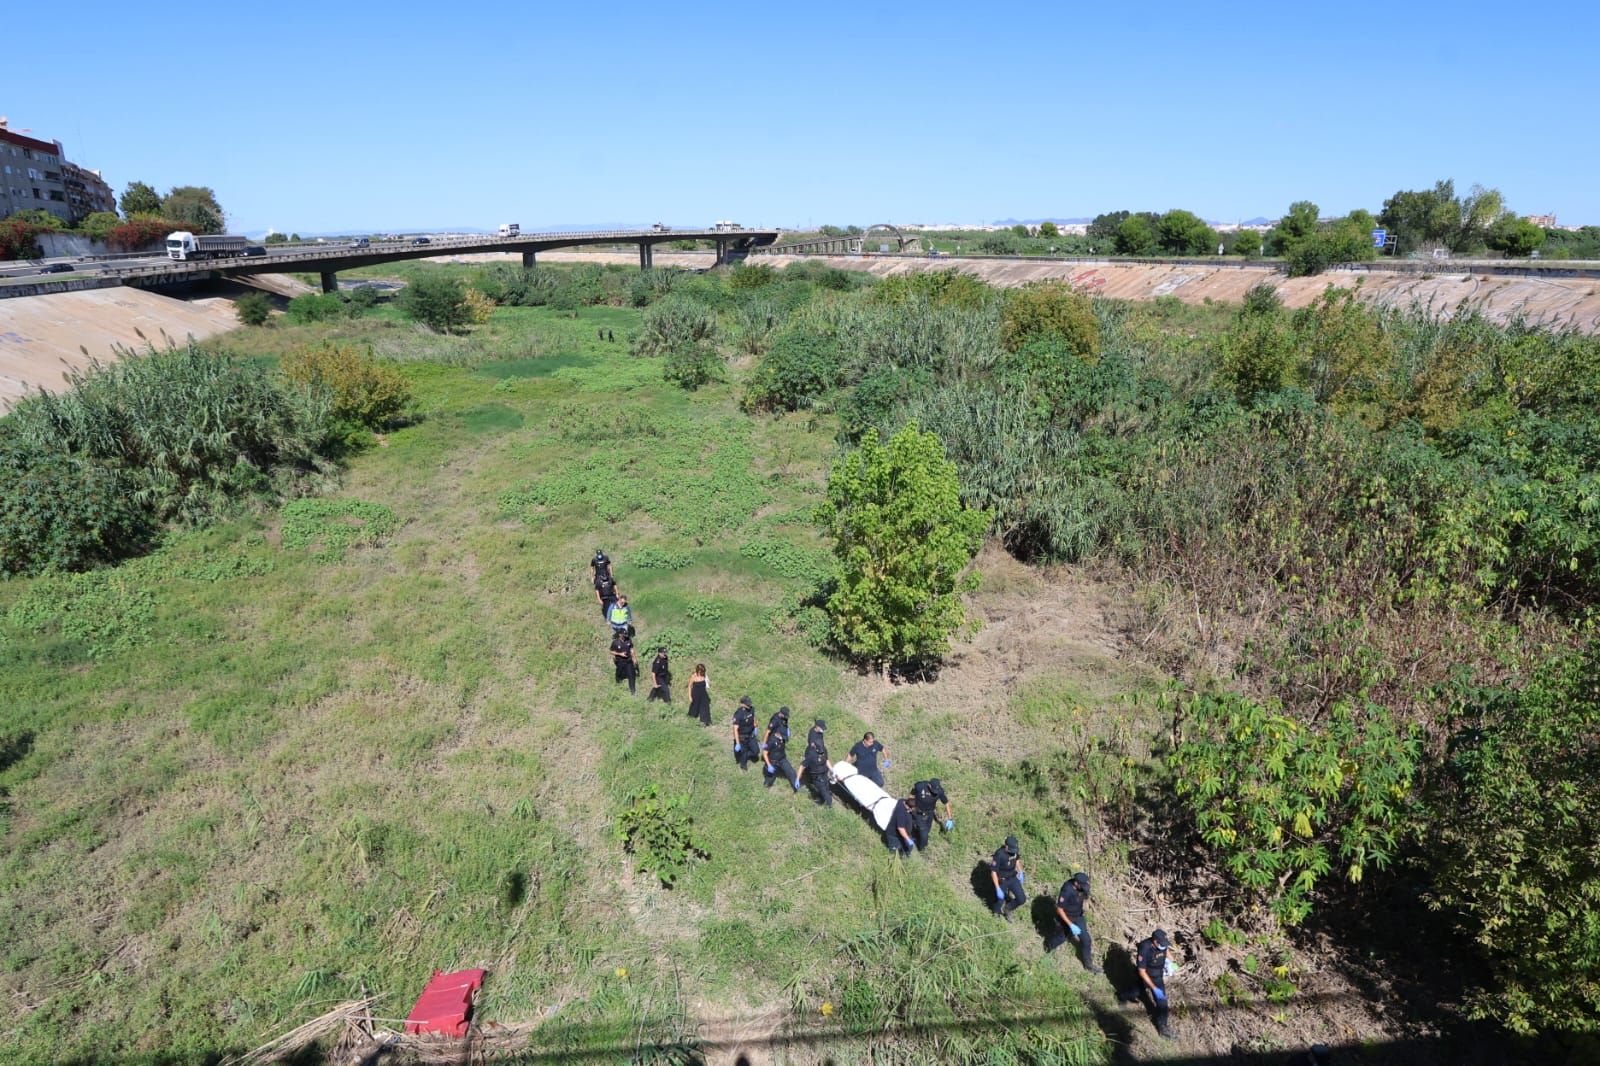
x: 867, y: 793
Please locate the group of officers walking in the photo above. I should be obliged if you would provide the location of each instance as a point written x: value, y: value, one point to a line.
x: 911, y: 820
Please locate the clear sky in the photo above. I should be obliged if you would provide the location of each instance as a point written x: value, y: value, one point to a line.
x: 332, y: 116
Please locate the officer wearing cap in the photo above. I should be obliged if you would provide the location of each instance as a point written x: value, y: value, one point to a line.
x: 925, y: 799
x: 815, y: 762
x: 775, y: 750
x: 1151, y: 966
x: 1007, y: 875
x: 601, y: 565
x: 744, y: 733
x: 1069, y: 912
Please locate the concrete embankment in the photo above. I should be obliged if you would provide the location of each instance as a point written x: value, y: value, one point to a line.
x: 1573, y: 302
x: 43, y: 337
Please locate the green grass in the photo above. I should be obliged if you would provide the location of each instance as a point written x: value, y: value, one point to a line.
x: 303, y: 753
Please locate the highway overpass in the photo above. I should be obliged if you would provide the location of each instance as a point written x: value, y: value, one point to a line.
x: 156, y: 270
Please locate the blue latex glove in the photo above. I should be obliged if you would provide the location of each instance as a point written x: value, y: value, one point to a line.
x: 999, y: 893
x: 1021, y: 878
x: 886, y: 764
x: 736, y: 748
x: 1161, y: 997
x: 771, y: 769
x: 1075, y: 930
x: 949, y: 824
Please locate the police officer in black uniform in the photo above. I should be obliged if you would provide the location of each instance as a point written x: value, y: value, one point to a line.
x: 815, y: 762
x: 622, y: 655
x: 605, y: 590
x: 897, y: 836
x: 744, y: 733
x: 775, y: 750
x: 1151, y: 966
x: 925, y: 799
x: 1069, y: 912
x: 601, y: 565
x: 1007, y: 876
x: 660, y: 678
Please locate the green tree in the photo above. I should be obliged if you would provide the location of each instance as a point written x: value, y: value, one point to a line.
x: 253, y: 308
x: 1516, y: 237
x: 1247, y: 242
x: 196, y: 207
x: 1515, y: 835
x: 99, y: 224
x: 1019, y: 230
x: 1105, y: 226
x: 436, y: 301
x: 276, y: 238
x: 1136, y: 236
x: 140, y: 199
x: 1185, y: 233
x: 902, y: 540
x: 1049, y: 229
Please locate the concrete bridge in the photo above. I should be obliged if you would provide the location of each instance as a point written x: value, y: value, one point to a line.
x: 330, y: 258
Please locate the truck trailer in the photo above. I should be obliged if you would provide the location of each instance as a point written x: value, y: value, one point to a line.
x: 510, y: 229
x: 184, y: 245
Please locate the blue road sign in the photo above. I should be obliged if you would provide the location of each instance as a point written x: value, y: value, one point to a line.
x: 1379, y: 238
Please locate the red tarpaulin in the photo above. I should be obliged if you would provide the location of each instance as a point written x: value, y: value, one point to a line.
x: 446, y: 1003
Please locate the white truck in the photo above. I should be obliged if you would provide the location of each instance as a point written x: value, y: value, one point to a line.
x: 185, y: 245
x: 724, y: 224
x: 510, y: 229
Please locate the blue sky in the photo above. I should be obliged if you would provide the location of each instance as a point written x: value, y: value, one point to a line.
x: 358, y: 116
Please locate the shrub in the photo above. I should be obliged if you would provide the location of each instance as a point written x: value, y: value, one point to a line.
x: 140, y: 233
x: 941, y: 288
x: 192, y: 428
x: 901, y: 540
x: 1280, y: 800
x: 1050, y: 308
x: 800, y: 366
x: 333, y: 526
x: 751, y: 276
x: 99, y: 224
x: 437, y: 301
x: 62, y: 511
x: 684, y: 331
x: 360, y: 388
x: 315, y: 307
x: 658, y: 832
x: 19, y: 238
x: 1257, y: 356
x: 1515, y: 840
x: 253, y: 308
x: 479, y: 307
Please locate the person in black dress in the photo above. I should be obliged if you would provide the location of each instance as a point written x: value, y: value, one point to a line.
x: 700, y: 695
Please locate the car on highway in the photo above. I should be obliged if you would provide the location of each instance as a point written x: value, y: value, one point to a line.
x: 421, y: 240
x: 359, y: 242
x: 58, y: 268
x: 254, y: 249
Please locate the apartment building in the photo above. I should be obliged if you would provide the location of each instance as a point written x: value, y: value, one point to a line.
x: 31, y: 176
x: 87, y: 191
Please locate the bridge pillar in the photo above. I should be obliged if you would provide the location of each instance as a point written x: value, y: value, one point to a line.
x: 330, y: 281
x: 647, y: 255
x: 530, y: 260
x: 722, y: 252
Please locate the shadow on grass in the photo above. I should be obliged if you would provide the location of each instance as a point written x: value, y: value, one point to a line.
x: 1470, y: 1045
x: 534, y: 366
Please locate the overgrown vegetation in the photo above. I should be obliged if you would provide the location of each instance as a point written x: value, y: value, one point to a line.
x: 1363, y: 542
